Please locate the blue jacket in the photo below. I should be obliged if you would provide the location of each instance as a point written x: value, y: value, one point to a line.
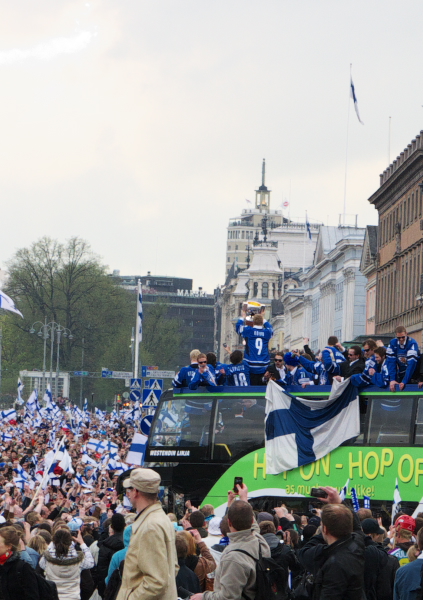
x: 401, y: 359
x: 364, y: 379
x: 300, y: 376
x: 407, y: 581
x: 206, y: 378
x: 185, y: 375
x: 120, y: 555
x: 331, y: 358
x: 238, y: 374
x: 315, y: 367
x: 257, y: 338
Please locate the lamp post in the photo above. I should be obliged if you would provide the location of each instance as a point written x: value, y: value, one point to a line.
x: 46, y: 331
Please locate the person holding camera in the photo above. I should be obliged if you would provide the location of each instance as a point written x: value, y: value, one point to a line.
x: 257, y: 333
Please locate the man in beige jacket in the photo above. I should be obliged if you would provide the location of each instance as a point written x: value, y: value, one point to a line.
x: 151, y: 564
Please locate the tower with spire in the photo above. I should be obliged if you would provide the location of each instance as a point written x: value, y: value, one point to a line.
x: 263, y: 194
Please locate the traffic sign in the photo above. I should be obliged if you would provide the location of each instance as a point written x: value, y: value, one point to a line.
x: 146, y: 424
x: 125, y: 394
x: 115, y: 374
x: 160, y: 374
x: 80, y: 373
x: 153, y: 384
x: 106, y: 373
x: 136, y: 384
x: 135, y: 395
x: 149, y: 398
x: 144, y: 370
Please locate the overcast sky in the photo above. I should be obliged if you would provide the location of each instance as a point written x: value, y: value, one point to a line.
x: 141, y: 126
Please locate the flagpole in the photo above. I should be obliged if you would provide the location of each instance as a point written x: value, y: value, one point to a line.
x: 137, y: 333
x: 346, y: 148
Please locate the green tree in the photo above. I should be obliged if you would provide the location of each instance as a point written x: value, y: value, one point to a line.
x: 161, y: 337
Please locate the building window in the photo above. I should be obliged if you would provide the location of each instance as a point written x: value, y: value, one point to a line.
x: 339, y: 295
x: 242, y: 235
x: 338, y: 333
x: 229, y: 259
x: 315, y: 311
x: 314, y: 345
x: 265, y: 290
x: 255, y: 289
x: 229, y: 248
x: 236, y: 247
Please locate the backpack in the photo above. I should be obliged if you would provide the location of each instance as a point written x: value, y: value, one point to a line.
x: 115, y: 581
x: 303, y: 588
x: 47, y: 590
x: 271, y: 578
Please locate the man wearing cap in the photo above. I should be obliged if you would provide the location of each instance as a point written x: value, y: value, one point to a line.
x: 151, y: 563
x: 405, y: 526
x: 408, y: 578
x: 379, y: 567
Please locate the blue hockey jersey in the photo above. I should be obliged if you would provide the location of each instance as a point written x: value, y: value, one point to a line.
x: 185, y: 375
x: 299, y: 377
x: 401, y: 359
x: 364, y: 379
x: 257, y: 338
x: 331, y: 358
x: 206, y: 378
x: 238, y: 375
x: 315, y: 367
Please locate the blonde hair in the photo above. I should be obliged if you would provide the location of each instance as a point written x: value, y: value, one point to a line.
x: 38, y: 543
x: 192, y: 546
x: 193, y: 355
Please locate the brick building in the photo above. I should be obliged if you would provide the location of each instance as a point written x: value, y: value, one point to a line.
x: 399, y: 203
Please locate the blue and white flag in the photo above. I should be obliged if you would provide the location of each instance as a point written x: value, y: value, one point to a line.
x: 137, y: 450
x: 343, y: 493
x: 366, y: 501
x: 308, y: 228
x: 98, y: 446
x: 139, y: 313
x: 6, y: 437
x: 300, y: 431
x: 7, y: 303
x: 8, y: 415
x: 32, y: 403
x: 354, y: 97
x: 356, y: 504
x: 396, y: 506
x: 48, y: 398
x: 85, y: 407
x: 21, y: 386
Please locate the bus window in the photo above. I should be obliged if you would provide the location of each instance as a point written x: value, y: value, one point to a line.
x: 419, y: 423
x: 183, y: 422
x: 239, y: 429
x: 390, y: 419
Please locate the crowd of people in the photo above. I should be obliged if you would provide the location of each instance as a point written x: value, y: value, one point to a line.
x: 391, y: 367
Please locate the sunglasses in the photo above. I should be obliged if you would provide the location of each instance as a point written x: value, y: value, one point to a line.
x: 401, y: 337
x: 278, y: 359
x: 202, y: 362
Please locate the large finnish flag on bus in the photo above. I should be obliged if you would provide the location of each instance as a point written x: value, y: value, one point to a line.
x: 300, y: 431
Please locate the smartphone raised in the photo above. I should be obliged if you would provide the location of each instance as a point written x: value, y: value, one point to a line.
x: 318, y: 493
x: 237, y: 481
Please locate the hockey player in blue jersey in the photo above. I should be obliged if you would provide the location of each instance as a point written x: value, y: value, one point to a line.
x: 332, y: 356
x: 297, y: 375
x: 316, y: 368
x: 257, y: 339
x: 238, y: 372
x: 185, y: 375
x: 203, y: 375
x: 379, y: 374
x: 402, y: 357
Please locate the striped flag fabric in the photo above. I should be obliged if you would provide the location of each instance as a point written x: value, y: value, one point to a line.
x: 139, y: 313
x: 356, y: 504
x: 7, y: 303
x: 396, y: 506
x: 343, y: 493
x: 354, y: 97
x: 366, y: 501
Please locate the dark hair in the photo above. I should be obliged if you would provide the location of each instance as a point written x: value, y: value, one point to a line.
x: 338, y: 520
x: 224, y: 526
x: 45, y: 526
x: 357, y: 350
x: 419, y: 524
x: 62, y: 541
x: 45, y: 534
x: 118, y: 523
x: 181, y: 545
x: 381, y: 351
x: 197, y: 519
x: 211, y: 358
x: 236, y: 357
x: 370, y: 343
x: 294, y: 537
x: 11, y: 537
x: 420, y: 539
x: 267, y: 527
x: 332, y: 340
x: 240, y: 515
x: 364, y: 513
x: 400, y: 329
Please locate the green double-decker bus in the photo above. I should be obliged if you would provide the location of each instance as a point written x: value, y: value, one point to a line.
x: 199, y: 442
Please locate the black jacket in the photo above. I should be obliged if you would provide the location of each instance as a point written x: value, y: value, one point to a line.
x: 18, y: 580
x: 187, y: 579
x: 347, y: 370
x: 379, y: 571
x: 106, y: 550
x: 338, y: 569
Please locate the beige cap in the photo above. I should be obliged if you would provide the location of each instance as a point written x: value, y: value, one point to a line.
x: 144, y: 480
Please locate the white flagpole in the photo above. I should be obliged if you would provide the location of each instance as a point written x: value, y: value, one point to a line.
x: 346, y: 149
x: 138, y: 326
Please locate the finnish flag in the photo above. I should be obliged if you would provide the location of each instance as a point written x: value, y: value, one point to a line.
x: 139, y: 313
x: 96, y: 445
x: 7, y: 303
x: 354, y: 97
x: 396, y: 506
x: 21, y: 386
x: 8, y: 415
x: 300, y: 431
x: 137, y: 450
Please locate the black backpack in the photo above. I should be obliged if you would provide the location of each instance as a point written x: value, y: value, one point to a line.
x: 271, y: 578
x: 47, y: 590
x: 115, y: 581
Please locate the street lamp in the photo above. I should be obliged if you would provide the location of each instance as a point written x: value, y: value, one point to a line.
x: 46, y: 331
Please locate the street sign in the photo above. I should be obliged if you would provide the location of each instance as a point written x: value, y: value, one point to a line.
x: 145, y: 368
x: 116, y: 374
x: 106, y: 373
x: 125, y: 394
x: 135, y: 395
x: 149, y: 398
x: 136, y: 384
x: 160, y: 374
x: 146, y: 424
x: 80, y: 373
x: 153, y: 384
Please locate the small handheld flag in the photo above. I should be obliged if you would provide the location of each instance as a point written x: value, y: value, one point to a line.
x: 356, y: 504
x: 366, y: 501
x: 396, y: 506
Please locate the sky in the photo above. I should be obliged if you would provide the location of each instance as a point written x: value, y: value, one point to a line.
x: 140, y: 126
